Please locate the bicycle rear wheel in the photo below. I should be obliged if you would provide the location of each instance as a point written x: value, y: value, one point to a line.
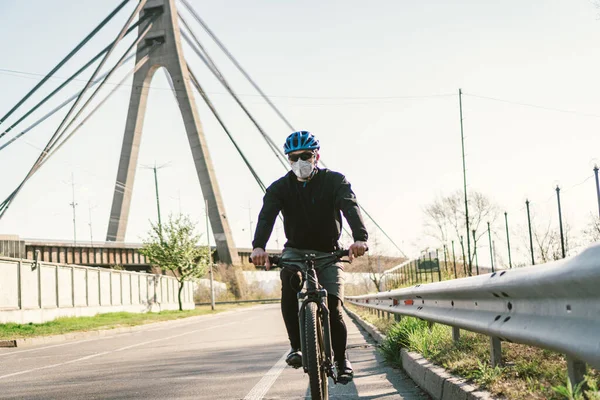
x: 314, y: 352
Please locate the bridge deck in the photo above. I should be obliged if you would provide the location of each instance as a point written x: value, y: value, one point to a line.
x: 97, y: 254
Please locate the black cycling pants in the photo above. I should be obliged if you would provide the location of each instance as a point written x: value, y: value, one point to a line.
x: 290, y: 286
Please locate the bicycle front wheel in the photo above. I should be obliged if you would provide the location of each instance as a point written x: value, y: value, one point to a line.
x: 314, y: 352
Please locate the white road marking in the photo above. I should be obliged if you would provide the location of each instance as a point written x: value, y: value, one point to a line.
x: 111, y: 335
x: 55, y: 345
x: 112, y: 351
x: 262, y: 387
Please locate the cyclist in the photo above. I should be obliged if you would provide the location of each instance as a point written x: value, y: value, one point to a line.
x: 311, y: 200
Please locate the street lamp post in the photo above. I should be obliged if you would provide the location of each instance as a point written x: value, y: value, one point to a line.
x: 508, y: 239
x: 530, y: 235
x: 491, y: 249
x: 562, y: 237
x: 597, y: 187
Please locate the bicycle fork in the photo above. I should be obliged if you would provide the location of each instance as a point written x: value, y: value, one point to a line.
x: 320, y: 297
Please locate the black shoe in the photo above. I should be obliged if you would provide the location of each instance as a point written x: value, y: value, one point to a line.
x: 294, y: 359
x: 345, y: 374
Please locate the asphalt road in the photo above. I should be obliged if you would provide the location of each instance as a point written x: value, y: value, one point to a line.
x: 233, y: 355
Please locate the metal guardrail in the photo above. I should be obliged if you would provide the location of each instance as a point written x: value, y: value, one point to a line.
x: 553, y: 306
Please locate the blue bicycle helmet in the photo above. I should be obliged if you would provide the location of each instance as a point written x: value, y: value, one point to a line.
x: 301, y: 140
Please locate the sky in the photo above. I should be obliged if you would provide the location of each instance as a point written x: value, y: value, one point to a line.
x: 376, y: 82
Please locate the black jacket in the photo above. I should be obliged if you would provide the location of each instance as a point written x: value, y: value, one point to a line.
x: 311, y: 211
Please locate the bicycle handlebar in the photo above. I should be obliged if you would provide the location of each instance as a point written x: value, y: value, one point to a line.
x: 275, y: 260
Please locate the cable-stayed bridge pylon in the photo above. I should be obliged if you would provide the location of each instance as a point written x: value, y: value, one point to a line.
x: 168, y: 55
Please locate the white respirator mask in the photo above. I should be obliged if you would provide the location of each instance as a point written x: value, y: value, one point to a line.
x: 303, y: 169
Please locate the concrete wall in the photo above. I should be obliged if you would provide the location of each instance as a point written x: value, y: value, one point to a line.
x: 12, y: 247
x: 41, y: 292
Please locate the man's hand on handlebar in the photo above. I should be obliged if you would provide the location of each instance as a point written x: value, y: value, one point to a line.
x: 357, y: 249
x: 260, y: 257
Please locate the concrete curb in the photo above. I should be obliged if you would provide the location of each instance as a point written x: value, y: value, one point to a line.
x: 434, y: 380
x: 40, y: 340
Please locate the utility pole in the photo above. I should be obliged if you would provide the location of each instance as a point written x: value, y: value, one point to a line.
x: 73, y: 204
x: 475, y: 252
x: 508, y: 239
x: 250, y: 222
x: 157, y: 199
x: 530, y: 235
x: 462, y: 245
x: 491, y: 248
x: 597, y: 187
x: 462, y: 139
x: 210, y: 264
x: 90, y: 224
x: 454, y: 260
x: 562, y: 237
x: 155, y: 168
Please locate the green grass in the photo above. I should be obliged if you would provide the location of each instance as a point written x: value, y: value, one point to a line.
x: 102, y: 321
x: 527, y: 372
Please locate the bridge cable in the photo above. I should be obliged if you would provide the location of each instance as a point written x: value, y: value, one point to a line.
x: 4, y: 205
x: 264, y: 96
x: 56, y: 109
x: 64, y: 60
x: 47, y: 152
x: 71, y: 78
x: 234, y: 61
x: 218, y: 117
x: 214, y: 69
x: 138, y: 65
x: 108, y: 76
x: 201, y: 52
x: 56, y: 136
x: 102, y: 62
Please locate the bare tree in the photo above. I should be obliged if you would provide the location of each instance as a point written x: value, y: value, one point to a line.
x: 373, y: 266
x: 592, y: 231
x: 446, y: 219
x: 546, y: 242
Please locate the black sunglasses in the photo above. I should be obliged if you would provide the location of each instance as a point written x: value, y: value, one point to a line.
x: 302, y: 156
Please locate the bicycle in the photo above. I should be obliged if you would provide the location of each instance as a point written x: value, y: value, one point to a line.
x: 315, y: 333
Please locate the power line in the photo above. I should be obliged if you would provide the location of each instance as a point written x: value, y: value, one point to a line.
x: 30, y: 75
x: 71, y: 78
x: 56, y: 109
x: 218, y: 117
x: 60, y: 131
x: 139, y: 64
x: 534, y: 106
x: 201, y: 52
x: 218, y: 74
x: 234, y: 61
